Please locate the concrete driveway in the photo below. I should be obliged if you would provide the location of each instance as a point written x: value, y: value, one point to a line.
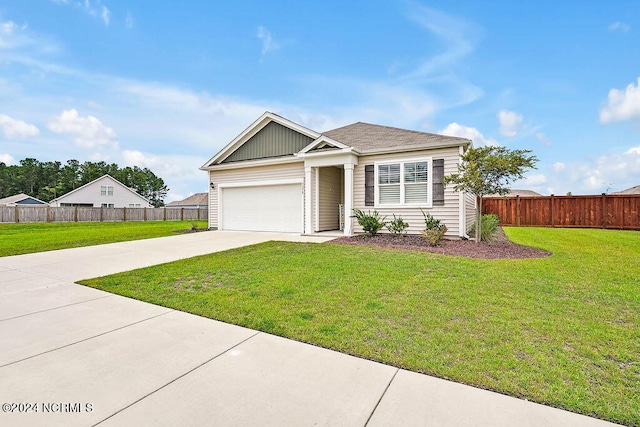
x: 71, y: 355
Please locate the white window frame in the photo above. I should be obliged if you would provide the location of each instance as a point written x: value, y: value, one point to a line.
x: 108, y: 190
x: 402, y: 203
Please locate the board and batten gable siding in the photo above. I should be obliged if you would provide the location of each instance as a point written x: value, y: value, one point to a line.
x: 255, y: 174
x: 329, y: 197
x: 90, y: 194
x: 274, y: 140
x: 449, y: 213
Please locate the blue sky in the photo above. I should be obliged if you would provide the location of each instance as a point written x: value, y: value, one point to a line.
x: 165, y: 85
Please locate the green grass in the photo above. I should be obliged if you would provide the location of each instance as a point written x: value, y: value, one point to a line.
x: 562, y: 330
x: 26, y: 238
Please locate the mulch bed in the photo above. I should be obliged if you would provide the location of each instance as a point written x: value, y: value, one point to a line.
x: 190, y: 230
x: 500, y: 247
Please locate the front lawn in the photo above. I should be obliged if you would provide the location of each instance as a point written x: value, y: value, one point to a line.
x: 24, y: 238
x: 562, y: 330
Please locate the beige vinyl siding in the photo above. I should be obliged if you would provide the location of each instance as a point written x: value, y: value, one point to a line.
x: 449, y: 213
x: 470, y: 209
x: 254, y: 174
x: 329, y: 196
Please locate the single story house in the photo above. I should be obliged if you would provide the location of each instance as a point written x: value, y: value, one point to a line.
x: 105, y: 192
x: 280, y: 176
x: 22, y: 200
x: 195, y: 201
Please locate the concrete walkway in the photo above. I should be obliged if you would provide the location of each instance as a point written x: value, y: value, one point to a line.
x: 71, y: 355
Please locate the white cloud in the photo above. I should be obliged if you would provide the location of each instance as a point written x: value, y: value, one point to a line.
x: 535, y: 180
x: 105, y: 15
x: 455, y: 129
x: 128, y: 20
x: 96, y: 9
x: 622, y: 105
x: 17, y: 129
x: 635, y: 151
x: 456, y: 35
x: 87, y: 132
x: 559, y: 166
x: 619, y: 26
x: 268, y: 44
x: 8, y: 27
x: 7, y: 159
x: 544, y: 140
x: 510, y: 123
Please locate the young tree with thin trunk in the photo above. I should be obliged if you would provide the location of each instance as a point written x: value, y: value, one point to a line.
x: 489, y: 170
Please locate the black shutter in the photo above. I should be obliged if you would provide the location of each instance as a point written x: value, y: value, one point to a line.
x: 369, y: 182
x: 438, y: 187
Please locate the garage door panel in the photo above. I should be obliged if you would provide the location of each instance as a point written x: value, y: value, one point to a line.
x: 262, y: 208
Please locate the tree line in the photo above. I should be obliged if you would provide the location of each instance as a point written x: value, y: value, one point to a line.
x: 48, y: 180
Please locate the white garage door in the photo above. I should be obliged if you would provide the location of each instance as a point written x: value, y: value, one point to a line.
x: 262, y: 208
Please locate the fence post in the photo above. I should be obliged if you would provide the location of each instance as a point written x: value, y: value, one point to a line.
x: 48, y: 213
x: 552, y: 210
x: 181, y: 214
x: 101, y: 214
x: 604, y: 210
x: 165, y: 213
x: 17, y: 214
x: 144, y: 213
x: 124, y: 214
x: 518, y: 210
x: 75, y: 214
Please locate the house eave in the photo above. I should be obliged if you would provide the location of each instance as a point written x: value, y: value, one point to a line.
x: 253, y: 163
x: 407, y: 148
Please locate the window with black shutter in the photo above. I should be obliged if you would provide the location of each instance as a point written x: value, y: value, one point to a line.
x: 438, y: 186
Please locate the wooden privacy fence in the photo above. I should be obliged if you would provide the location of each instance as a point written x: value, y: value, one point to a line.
x: 620, y: 211
x: 88, y: 214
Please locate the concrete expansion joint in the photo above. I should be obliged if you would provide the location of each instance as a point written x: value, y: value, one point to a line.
x: 56, y: 308
x: 382, y: 396
x: 177, y: 378
x: 85, y: 339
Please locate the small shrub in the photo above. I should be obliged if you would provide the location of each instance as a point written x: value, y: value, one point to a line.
x: 488, y: 228
x: 430, y: 223
x: 398, y: 226
x: 434, y: 229
x: 371, y: 223
x: 194, y: 226
x: 434, y: 236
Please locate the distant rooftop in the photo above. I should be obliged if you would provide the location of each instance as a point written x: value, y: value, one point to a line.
x: 632, y: 190
x: 198, y: 199
x: 521, y: 193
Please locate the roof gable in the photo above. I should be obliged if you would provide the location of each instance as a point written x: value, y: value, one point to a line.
x: 254, y: 129
x: 21, y: 199
x: 273, y: 140
x: 107, y: 178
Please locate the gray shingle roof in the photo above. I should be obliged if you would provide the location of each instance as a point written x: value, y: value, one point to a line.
x: 19, y: 197
x: 366, y: 137
x: 198, y: 199
x: 632, y: 190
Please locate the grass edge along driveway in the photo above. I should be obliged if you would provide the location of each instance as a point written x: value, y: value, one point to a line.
x: 562, y: 331
x: 25, y: 238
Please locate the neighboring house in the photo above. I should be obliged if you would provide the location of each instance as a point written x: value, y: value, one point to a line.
x: 521, y: 193
x: 198, y: 200
x: 105, y: 192
x: 22, y: 200
x: 280, y: 176
x: 632, y: 190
